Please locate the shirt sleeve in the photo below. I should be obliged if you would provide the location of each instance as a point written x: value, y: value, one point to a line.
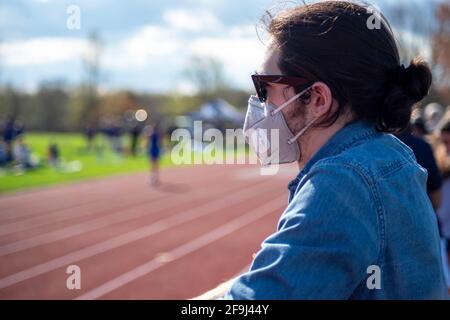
x: 326, y: 239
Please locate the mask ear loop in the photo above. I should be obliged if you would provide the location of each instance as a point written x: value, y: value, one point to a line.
x: 292, y: 140
x: 285, y: 104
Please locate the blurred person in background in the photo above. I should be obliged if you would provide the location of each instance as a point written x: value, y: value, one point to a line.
x: 154, y: 143
x: 425, y: 157
x: 6, y: 156
x: 9, y: 132
x: 424, y: 154
x: 22, y: 155
x: 11, y: 129
x: 113, y: 132
x: 433, y: 114
x: 418, y: 127
x: 53, y: 155
x: 89, y: 133
x: 442, y: 151
x: 358, y: 209
x: 3, y: 154
x: 135, y: 132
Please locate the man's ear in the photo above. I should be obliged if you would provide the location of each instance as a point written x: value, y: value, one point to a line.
x: 321, y: 99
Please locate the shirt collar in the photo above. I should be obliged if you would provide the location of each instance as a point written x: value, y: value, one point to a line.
x: 344, y: 138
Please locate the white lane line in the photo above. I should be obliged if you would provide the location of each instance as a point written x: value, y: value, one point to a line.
x: 104, y: 192
x: 68, y: 213
x: 54, y: 194
x: 135, y: 235
x: 185, y: 249
x: 135, y: 212
x: 82, y: 210
x: 102, y: 187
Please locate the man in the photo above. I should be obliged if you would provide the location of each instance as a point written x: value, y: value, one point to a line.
x: 359, y: 224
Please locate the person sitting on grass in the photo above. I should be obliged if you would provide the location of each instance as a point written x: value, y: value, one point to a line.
x: 4, y: 154
x: 53, y: 155
x: 22, y: 155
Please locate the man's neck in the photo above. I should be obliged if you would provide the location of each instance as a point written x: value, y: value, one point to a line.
x: 315, y: 139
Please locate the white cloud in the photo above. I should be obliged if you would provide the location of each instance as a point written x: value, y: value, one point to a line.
x: 151, y: 40
x: 231, y: 50
x: 239, y: 50
x: 191, y: 20
x: 162, y: 49
x: 245, y: 31
x: 38, y: 51
x: 148, y: 43
x: 186, y: 88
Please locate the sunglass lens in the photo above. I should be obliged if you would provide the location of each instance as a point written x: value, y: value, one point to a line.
x: 263, y: 93
x: 261, y: 90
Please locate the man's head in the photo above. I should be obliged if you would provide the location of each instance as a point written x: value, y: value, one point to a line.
x: 316, y: 103
x: 355, y: 71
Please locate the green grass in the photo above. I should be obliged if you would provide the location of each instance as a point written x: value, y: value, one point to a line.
x: 78, y: 163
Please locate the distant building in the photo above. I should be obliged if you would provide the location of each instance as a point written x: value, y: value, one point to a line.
x: 218, y: 114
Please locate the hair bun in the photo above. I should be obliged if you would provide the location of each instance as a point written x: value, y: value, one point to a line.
x: 410, y: 85
x: 415, y: 80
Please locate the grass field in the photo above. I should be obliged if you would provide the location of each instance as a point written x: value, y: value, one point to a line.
x: 77, y: 162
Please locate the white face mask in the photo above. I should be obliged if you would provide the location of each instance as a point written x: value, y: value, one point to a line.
x: 268, y: 134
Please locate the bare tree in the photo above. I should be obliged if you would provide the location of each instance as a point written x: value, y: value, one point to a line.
x: 206, y: 74
x: 52, y: 106
x: 441, y: 46
x: 92, y: 66
x: 413, y: 26
x: 424, y: 30
x: 0, y: 64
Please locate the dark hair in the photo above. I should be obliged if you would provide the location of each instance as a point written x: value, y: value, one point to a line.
x: 446, y: 127
x: 330, y: 41
x: 418, y: 123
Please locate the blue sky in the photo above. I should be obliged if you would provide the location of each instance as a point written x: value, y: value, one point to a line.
x: 146, y: 43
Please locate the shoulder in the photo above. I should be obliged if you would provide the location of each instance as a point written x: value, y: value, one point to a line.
x: 337, y: 196
x: 376, y: 158
x: 350, y: 177
x: 333, y: 186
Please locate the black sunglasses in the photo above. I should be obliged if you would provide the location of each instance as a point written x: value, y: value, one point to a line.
x: 260, y: 81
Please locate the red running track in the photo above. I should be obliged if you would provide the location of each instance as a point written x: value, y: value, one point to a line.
x: 199, y: 228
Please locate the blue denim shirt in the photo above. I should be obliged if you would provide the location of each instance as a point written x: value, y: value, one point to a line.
x: 359, y: 225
